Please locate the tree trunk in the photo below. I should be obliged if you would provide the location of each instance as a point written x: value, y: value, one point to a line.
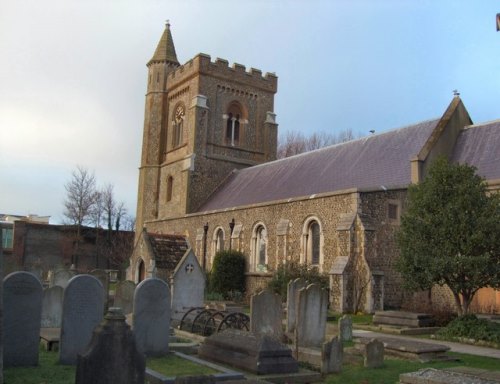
x: 458, y: 304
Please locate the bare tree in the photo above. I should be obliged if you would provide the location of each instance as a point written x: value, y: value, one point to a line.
x: 294, y: 143
x: 109, y: 205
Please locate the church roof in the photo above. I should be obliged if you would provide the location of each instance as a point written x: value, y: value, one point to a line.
x: 377, y: 161
x: 165, y: 51
x: 168, y: 250
x: 479, y: 145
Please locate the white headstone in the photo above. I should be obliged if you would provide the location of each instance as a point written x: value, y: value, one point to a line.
x: 62, y: 277
x: 52, y: 307
x: 22, y: 307
x: 188, y: 284
x: 152, y: 317
x: 83, y: 304
x: 291, y: 302
x: 311, y: 316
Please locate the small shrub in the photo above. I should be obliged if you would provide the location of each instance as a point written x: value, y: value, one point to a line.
x: 291, y: 271
x: 228, y: 274
x: 470, y: 327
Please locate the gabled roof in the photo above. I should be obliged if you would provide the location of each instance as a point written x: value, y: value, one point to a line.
x: 168, y: 250
x: 165, y: 51
x: 479, y: 145
x: 376, y: 161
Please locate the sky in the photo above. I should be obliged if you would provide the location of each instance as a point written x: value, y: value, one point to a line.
x: 73, y: 75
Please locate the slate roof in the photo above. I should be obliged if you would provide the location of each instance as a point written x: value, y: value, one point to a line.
x: 370, y: 162
x: 479, y: 145
x: 167, y: 249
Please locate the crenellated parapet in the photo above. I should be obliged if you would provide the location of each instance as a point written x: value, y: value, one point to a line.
x: 202, y: 64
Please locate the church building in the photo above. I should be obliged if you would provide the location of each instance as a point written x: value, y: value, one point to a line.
x: 209, y: 177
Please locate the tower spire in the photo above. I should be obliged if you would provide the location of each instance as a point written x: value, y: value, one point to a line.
x: 165, y: 51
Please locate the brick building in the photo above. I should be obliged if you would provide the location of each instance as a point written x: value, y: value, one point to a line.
x: 208, y: 160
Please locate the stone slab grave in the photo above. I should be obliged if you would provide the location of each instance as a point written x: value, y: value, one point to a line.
x: 124, y: 296
x: 435, y: 376
x: 22, y: 307
x: 152, y: 317
x: 403, y: 319
x: 52, y: 307
x: 266, y: 314
x: 410, y: 349
x: 112, y: 355
x: 83, y: 304
x: 256, y: 353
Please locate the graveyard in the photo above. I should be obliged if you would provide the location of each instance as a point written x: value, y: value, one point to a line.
x: 79, y: 328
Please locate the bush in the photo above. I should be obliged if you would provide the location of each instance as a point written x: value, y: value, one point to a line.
x: 291, y: 271
x: 470, y: 327
x: 228, y: 274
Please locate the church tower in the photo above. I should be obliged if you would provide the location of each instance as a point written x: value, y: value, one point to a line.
x: 202, y: 120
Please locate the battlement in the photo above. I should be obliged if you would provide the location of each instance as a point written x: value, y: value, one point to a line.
x: 202, y: 63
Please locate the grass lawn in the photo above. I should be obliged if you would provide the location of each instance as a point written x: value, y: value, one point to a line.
x: 50, y: 372
x: 354, y: 372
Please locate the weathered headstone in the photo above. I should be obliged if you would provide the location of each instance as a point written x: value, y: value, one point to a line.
x: 266, y: 314
x: 124, y: 296
x: 345, y: 328
x: 188, y: 285
x: 103, y: 277
x: 62, y: 277
x: 152, y: 317
x: 112, y: 355
x: 261, y: 354
x: 332, y: 353
x: 83, y: 303
x: 22, y: 301
x: 312, y: 307
x: 374, y: 354
x: 52, y: 307
x: 291, y: 302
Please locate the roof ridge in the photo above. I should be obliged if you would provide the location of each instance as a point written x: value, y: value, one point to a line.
x: 479, y: 125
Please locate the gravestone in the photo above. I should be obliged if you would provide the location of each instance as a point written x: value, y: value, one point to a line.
x: 291, y: 302
x: 103, y: 277
x: 188, y: 285
x: 22, y: 304
x: 266, y: 314
x: 61, y: 277
x: 124, y: 296
x: 374, y: 354
x: 152, y: 317
x: 112, y: 355
x: 312, y: 307
x: 332, y: 353
x: 52, y: 307
x: 83, y: 303
x: 256, y: 353
x: 345, y: 328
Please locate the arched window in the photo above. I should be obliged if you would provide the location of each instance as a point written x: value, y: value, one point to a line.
x: 259, y: 248
x: 312, y: 242
x: 234, y: 120
x: 217, y: 242
x: 170, y: 186
x: 178, y: 126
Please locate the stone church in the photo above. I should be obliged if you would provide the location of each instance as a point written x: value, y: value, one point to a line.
x: 209, y: 178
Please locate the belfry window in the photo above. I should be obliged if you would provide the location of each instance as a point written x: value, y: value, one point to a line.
x: 178, y: 126
x: 233, y: 130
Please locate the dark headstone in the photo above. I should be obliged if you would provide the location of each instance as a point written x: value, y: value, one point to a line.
x: 266, y: 314
x: 374, y: 354
x: 22, y: 301
x: 112, y: 355
x: 52, y: 307
x: 152, y: 317
x: 260, y: 354
x: 83, y: 304
x: 332, y: 354
x: 345, y: 328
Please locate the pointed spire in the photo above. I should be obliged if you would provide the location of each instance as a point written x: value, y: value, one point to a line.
x: 165, y: 51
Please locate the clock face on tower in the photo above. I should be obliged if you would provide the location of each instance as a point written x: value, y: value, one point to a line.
x: 179, y: 113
